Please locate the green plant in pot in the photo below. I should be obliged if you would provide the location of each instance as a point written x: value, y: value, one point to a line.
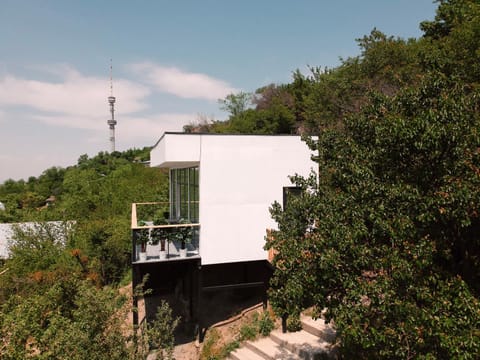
x: 142, y: 237
x: 182, y: 234
x: 160, y: 235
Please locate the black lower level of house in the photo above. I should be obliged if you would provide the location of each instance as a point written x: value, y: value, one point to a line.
x: 202, y: 295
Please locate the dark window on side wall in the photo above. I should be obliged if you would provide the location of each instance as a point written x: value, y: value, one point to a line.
x: 289, y: 192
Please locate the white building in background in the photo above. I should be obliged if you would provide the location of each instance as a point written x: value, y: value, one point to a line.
x: 5, y: 236
x: 224, y: 185
x: 59, y: 231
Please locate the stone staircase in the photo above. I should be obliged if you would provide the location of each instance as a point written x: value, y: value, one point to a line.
x: 314, y: 341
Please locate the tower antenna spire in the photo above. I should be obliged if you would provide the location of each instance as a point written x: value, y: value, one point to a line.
x: 112, y: 122
x: 111, y: 78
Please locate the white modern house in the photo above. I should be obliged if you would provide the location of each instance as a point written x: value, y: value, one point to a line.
x: 222, y: 186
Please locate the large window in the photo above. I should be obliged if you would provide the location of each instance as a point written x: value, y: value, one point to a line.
x: 184, y: 194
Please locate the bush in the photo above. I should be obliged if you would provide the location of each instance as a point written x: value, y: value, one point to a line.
x: 293, y: 323
x: 211, y: 349
x: 160, y: 333
x: 265, y: 324
x: 214, y: 349
x: 70, y: 320
x: 248, y: 332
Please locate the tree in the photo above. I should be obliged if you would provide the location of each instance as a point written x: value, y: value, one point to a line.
x: 50, y: 182
x: 72, y: 319
x: 38, y: 257
x: 449, y: 14
x: 385, y: 237
x: 159, y: 334
x: 452, y: 40
x: 52, y: 305
x: 385, y: 65
x: 47, y: 307
x: 236, y: 104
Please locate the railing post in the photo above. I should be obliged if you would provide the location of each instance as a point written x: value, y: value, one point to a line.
x: 198, y: 316
x: 134, y: 247
x: 135, y: 281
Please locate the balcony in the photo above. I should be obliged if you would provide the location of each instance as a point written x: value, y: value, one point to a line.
x: 157, y: 237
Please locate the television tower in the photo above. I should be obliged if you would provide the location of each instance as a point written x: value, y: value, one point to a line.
x: 112, y: 122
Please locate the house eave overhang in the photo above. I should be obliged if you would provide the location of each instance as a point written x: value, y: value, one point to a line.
x: 178, y: 164
x: 175, y: 150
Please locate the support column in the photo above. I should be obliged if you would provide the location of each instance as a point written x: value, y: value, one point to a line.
x: 136, y: 278
x: 266, y: 283
x: 198, y: 301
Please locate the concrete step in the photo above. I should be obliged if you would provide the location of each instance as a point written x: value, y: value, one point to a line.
x: 270, y: 350
x: 314, y: 342
x: 318, y: 328
x: 244, y: 353
x: 302, y: 343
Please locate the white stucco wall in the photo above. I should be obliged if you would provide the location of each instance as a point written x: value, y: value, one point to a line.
x: 176, y: 150
x: 60, y: 231
x: 240, y: 177
x: 5, y: 236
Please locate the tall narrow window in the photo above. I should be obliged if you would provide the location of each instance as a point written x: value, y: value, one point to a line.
x: 289, y: 192
x: 184, y: 194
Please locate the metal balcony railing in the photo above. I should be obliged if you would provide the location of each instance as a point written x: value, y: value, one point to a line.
x: 157, y: 237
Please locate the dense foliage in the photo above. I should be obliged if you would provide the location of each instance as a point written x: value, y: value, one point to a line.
x: 385, y: 236
x: 97, y: 194
x: 70, y: 319
x: 51, y: 305
x: 158, y: 334
x: 58, y: 299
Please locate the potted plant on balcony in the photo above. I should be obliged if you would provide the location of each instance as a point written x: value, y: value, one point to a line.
x: 142, y: 236
x: 160, y: 235
x: 182, y: 234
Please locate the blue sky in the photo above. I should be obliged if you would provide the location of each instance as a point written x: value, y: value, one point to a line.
x: 172, y: 61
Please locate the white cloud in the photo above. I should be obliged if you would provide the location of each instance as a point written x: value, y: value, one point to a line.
x: 129, y: 129
x: 3, y: 116
x: 148, y: 130
x: 155, y: 124
x: 58, y: 119
x: 183, y: 84
x: 73, y: 121
x: 76, y: 94
x: 22, y: 166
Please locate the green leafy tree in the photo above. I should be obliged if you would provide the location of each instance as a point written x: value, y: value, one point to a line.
x: 384, y: 238
x: 72, y: 319
x: 159, y: 334
x: 385, y: 65
x: 107, y: 244
x: 51, y: 307
x: 236, y: 104
x: 38, y: 257
x: 97, y: 193
x: 49, y: 183
x: 452, y: 40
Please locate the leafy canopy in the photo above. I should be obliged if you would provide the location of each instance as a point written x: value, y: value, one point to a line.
x: 385, y: 235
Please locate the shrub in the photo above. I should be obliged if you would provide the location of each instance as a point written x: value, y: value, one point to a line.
x: 160, y: 334
x: 265, y: 324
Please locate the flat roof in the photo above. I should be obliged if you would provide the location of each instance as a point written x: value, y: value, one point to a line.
x: 218, y: 134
